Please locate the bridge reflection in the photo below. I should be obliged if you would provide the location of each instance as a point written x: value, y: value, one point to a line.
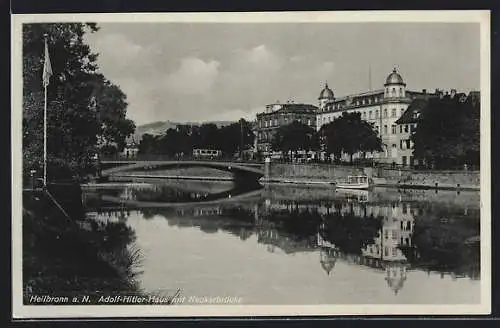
x: 392, y: 237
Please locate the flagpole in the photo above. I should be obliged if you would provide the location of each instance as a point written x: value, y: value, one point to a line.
x: 45, y: 126
x: 45, y: 140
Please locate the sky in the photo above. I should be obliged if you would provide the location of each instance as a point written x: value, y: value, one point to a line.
x: 198, y: 72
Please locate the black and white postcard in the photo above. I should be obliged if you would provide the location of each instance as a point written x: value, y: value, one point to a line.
x: 251, y: 164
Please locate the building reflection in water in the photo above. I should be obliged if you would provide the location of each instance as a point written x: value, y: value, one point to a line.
x: 386, y: 252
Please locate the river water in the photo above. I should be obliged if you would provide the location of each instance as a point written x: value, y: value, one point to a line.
x: 283, y: 244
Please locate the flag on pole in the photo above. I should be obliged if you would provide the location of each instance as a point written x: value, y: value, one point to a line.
x: 47, y: 67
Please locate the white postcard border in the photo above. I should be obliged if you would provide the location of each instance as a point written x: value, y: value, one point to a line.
x: 21, y: 311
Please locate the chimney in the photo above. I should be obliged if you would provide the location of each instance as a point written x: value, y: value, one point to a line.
x: 453, y: 93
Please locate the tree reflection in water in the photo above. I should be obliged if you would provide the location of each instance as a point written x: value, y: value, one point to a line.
x: 393, y: 236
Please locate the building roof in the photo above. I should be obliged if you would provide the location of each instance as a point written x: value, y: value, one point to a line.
x: 420, y: 104
x: 413, y: 112
x: 394, y: 78
x: 326, y: 93
x: 296, y: 108
x: 361, y: 94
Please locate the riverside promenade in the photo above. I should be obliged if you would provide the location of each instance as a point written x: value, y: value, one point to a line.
x: 313, y: 174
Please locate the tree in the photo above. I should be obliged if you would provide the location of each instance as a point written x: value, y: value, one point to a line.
x: 77, y: 111
x: 293, y: 137
x: 350, y: 134
x: 111, y: 107
x: 448, y: 132
x: 149, y: 144
x: 236, y: 136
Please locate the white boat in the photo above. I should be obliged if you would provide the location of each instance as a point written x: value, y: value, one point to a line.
x: 354, y: 182
x: 356, y: 195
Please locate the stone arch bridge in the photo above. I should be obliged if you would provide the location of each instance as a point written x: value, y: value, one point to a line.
x: 239, y: 170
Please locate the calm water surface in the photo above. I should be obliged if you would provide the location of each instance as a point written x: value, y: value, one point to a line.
x: 296, y: 245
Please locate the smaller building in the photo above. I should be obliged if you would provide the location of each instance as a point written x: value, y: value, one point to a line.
x: 277, y: 115
x: 131, y: 148
x: 407, y: 123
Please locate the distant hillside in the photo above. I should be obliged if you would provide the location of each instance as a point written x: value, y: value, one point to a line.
x: 158, y: 128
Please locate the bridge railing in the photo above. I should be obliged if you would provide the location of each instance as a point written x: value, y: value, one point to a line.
x: 157, y: 157
x: 356, y: 164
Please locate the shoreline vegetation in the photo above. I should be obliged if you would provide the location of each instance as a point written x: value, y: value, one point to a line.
x: 82, y: 260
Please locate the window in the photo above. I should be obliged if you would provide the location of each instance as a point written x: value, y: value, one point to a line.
x: 402, y: 111
x: 400, y: 144
x: 393, y: 129
x: 364, y: 115
x: 376, y: 113
x: 370, y: 114
x: 400, y: 129
x: 394, y: 112
x: 386, y: 234
x: 364, y: 101
x: 385, y: 129
x: 394, y: 92
x: 401, y: 92
x: 309, y: 122
x: 386, y: 251
x: 385, y: 112
x: 394, y: 235
x: 406, y: 128
x: 408, y: 145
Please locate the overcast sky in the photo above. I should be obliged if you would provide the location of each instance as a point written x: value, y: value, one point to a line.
x: 205, y: 71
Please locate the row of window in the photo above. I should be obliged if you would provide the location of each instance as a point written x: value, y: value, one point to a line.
x: 265, y: 136
x: 404, y: 144
x: 364, y: 101
x: 375, y: 114
x: 370, y: 100
x: 275, y: 122
x: 393, y: 92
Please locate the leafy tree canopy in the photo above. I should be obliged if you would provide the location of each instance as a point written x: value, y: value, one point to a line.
x: 83, y: 107
x: 448, y: 132
x: 350, y: 134
x: 295, y: 136
x: 182, y: 140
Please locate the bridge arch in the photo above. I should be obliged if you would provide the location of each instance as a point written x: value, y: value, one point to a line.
x: 238, y: 169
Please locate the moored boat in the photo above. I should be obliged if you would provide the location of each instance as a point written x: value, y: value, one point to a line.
x: 354, y: 182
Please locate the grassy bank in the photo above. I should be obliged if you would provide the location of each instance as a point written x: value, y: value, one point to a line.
x: 69, y: 256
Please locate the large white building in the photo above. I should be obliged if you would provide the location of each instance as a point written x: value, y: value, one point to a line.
x: 381, y: 107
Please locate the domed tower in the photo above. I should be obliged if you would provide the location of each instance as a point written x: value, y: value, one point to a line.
x: 328, y: 258
x: 394, y: 85
x: 325, y: 96
x: 395, y: 276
